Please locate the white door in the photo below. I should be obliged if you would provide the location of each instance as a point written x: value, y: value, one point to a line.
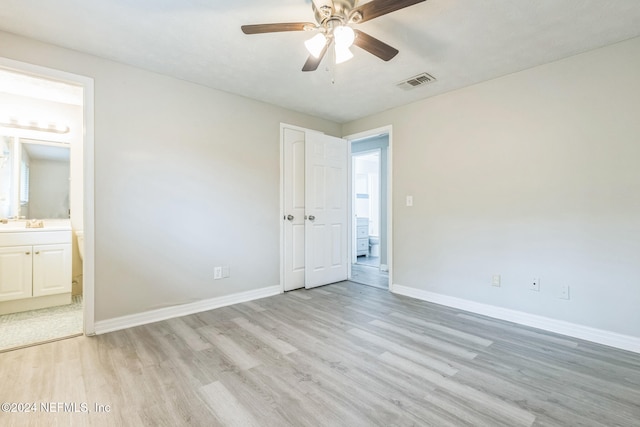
x: 15, y: 272
x: 293, y: 208
x: 326, y: 206
x: 51, y: 269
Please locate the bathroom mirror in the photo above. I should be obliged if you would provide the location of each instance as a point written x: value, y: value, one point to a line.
x: 34, y: 178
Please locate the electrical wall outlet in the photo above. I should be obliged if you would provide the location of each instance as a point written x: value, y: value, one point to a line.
x: 217, y: 273
x: 535, y: 285
x: 226, y: 271
x: 564, y: 292
x: 495, y: 281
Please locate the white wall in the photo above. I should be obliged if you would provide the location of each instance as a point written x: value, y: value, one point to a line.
x: 186, y: 178
x: 534, y: 174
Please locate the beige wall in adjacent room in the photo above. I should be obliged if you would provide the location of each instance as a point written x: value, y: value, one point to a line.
x: 186, y: 178
x: 532, y: 175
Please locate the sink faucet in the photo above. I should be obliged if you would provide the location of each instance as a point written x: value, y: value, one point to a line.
x: 4, y: 221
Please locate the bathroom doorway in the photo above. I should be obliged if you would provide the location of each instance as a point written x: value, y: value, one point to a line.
x: 43, y: 128
x: 369, y: 208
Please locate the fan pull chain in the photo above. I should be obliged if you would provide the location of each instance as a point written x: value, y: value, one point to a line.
x: 331, y: 66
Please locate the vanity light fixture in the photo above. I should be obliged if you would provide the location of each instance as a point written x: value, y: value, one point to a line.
x: 51, y: 127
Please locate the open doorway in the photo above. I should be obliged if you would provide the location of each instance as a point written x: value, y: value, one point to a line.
x: 369, y: 208
x: 44, y: 127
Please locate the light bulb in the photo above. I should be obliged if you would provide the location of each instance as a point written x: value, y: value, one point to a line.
x: 316, y: 44
x: 344, y: 36
x: 343, y: 54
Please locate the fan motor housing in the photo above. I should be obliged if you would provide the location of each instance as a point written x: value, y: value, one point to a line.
x: 340, y: 10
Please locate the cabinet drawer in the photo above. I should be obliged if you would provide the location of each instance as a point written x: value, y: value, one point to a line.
x: 362, y: 232
x: 363, y: 244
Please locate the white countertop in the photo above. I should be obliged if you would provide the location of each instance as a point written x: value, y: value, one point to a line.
x: 20, y: 226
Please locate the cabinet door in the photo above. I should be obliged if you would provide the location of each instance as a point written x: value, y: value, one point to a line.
x: 15, y: 272
x: 51, y: 269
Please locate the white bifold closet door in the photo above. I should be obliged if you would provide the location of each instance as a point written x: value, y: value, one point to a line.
x: 315, y: 208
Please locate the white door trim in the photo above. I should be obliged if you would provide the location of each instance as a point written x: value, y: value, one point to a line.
x: 373, y: 132
x: 88, y: 175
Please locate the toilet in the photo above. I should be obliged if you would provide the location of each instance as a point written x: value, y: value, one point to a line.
x: 80, y: 239
x: 374, y: 244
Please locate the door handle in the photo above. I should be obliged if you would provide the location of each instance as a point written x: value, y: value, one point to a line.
x: 311, y: 217
x: 290, y: 217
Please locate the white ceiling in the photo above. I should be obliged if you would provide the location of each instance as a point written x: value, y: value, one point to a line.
x: 460, y: 42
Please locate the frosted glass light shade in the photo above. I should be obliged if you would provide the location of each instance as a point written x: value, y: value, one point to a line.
x: 343, y: 54
x: 344, y: 36
x: 315, y: 44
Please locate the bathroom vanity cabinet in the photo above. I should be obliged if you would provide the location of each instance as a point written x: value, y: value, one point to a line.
x: 35, y: 264
x: 362, y: 236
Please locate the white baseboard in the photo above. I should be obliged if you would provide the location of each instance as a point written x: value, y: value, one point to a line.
x: 612, y: 339
x: 129, y: 321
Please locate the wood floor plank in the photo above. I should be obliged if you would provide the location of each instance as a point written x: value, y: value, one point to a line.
x: 433, y: 343
x: 455, y: 333
x: 265, y: 336
x: 522, y: 331
x: 239, y: 356
x: 502, y: 409
x: 254, y: 306
x: 226, y: 407
x: 188, y: 334
x: 410, y: 354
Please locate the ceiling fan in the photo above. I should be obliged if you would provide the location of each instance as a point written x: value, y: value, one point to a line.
x: 335, y: 19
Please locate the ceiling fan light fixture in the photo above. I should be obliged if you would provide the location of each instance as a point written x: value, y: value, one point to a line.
x: 316, y: 44
x: 344, y: 36
x: 343, y: 54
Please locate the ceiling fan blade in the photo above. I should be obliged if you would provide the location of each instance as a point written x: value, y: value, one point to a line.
x: 313, y: 62
x: 374, y: 46
x: 376, y: 8
x: 276, y: 28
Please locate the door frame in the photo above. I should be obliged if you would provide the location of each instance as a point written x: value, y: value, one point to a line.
x: 388, y: 130
x: 88, y: 263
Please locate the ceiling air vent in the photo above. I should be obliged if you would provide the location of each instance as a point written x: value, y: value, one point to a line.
x: 415, y: 81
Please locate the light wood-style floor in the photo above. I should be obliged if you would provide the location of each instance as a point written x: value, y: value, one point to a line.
x: 369, y: 275
x: 340, y: 355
